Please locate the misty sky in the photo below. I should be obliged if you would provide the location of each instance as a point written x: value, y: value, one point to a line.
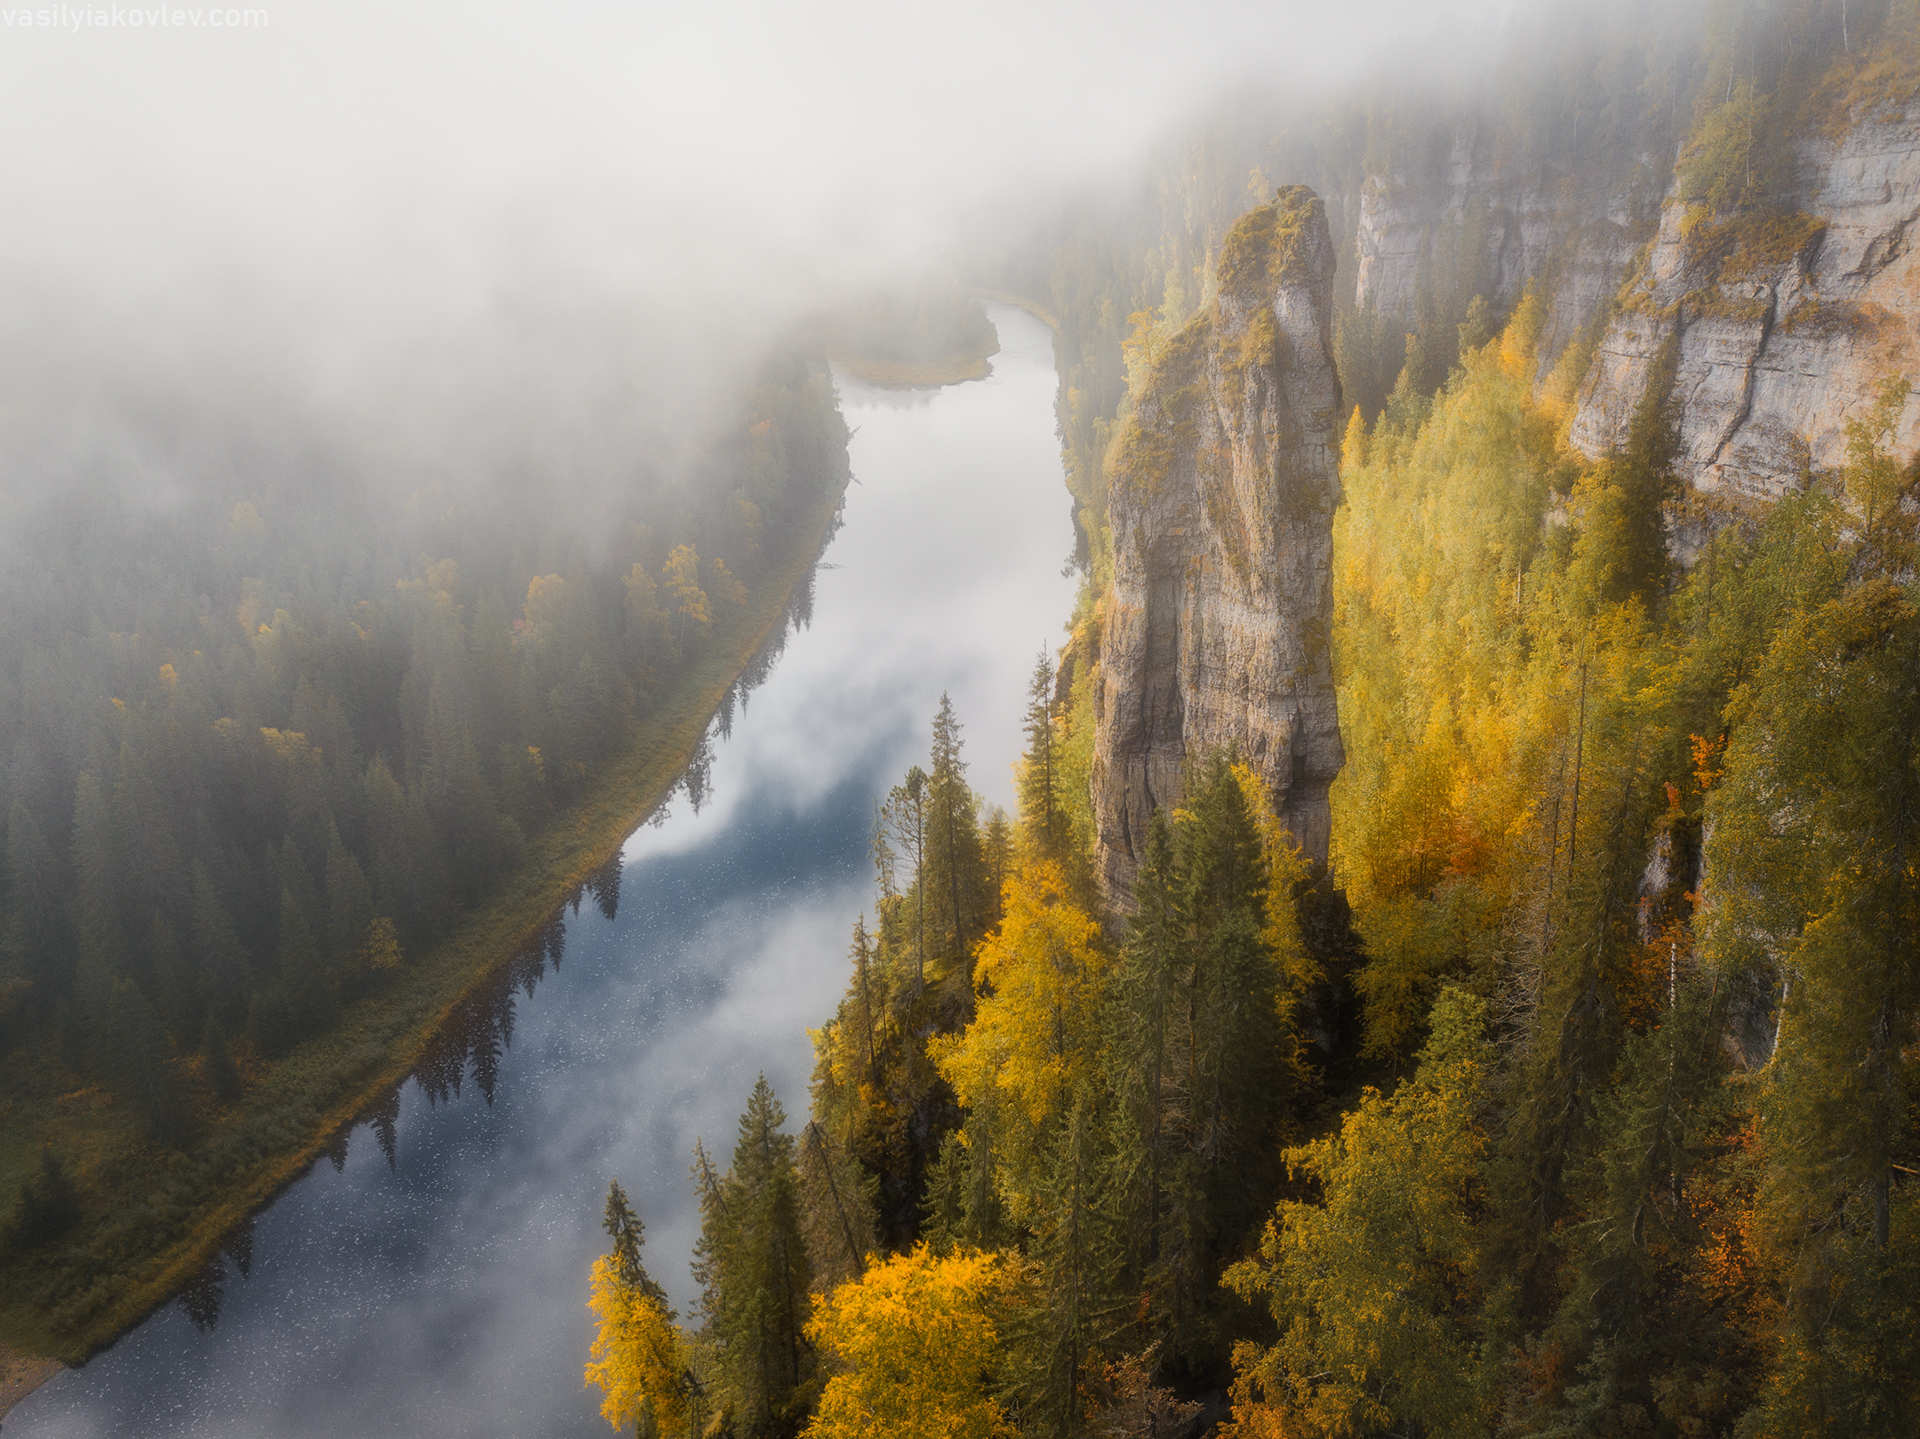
x: 409, y: 214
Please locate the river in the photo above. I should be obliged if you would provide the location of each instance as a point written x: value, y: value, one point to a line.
x: 432, y: 1279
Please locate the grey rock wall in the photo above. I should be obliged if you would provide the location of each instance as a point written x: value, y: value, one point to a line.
x: 1215, y: 630
x: 1770, y: 365
x: 1476, y: 216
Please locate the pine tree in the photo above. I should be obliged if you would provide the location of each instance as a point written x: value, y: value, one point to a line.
x: 349, y: 905
x: 1043, y: 817
x: 1052, y: 1338
x: 955, y: 867
x: 48, y: 1206
x: 836, y: 1211
x: 222, y: 960
x: 629, y: 1235
x: 751, y: 1262
x: 1140, y: 1022
x: 902, y: 829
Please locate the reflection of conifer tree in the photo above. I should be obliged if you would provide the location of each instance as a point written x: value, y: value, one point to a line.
x: 605, y: 884
x: 238, y: 1246
x: 384, y: 1118
x: 201, y: 1296
x: 484, y: 1038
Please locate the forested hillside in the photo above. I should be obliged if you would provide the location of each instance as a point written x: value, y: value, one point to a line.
x: 1577, y: 1095
x: 1586, y: 1175
x: 267, y: 748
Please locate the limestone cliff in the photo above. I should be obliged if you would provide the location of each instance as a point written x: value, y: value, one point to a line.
x: 1495, y: 227
x: 1782, y: 328
x: 1224, y: 484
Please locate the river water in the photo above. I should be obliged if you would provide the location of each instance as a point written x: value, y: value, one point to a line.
x: 431, y: 1279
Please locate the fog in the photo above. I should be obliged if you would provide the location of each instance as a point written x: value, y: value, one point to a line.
x: 478, y: 240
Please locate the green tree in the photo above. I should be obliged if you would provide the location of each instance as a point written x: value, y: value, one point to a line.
x: 1814, y: 863
x: 1043, y: 817
x: 751, y: 1262
x: 1372, y: 1288
x: 955, y: 862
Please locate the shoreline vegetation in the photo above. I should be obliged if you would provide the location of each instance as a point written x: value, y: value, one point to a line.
x: 910, y: 341
x: 973, y: 363
x: 286, y: 1123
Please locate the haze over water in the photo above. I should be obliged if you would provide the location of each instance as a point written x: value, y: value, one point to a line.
x: 447, y: 1294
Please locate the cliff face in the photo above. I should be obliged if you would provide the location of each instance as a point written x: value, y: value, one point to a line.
x: 1495, y: 228
x: 1223, y: 490
x: 1782, y: 330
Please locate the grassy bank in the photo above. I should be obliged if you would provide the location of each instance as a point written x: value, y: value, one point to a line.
x: 973, y: 363
x: 152, y: 1219
x: 951, y: 369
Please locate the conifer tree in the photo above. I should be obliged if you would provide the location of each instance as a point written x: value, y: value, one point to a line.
x: 1042, y: 815
x: 751, y: 1262
x: 222, y: 960
x: 639, y: 1358
x: 1371, y: 1288
x: 955, y: 865
x: 1052, y: 1338
x: 837, y: 1210
x: 903, y: 824
x: 48, y: 1206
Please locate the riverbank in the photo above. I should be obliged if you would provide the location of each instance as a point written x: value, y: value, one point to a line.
x: 955, y: 369
x: 153, y: 1220
x: 1020, y: 302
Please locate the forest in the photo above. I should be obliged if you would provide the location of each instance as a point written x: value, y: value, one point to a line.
x: 1576, y: 1095
x: 264, y: 757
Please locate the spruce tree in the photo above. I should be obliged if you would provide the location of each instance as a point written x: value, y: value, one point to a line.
x: 1043, y: 817
x: 751, y: 1261
x: 629, y: 1234
x: 955, y: 861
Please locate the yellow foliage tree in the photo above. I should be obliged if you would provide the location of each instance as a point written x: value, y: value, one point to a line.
x: 639, y: 1355
x: 1034, y: 1039
x: 680, y: 577
x: 916, y: 1341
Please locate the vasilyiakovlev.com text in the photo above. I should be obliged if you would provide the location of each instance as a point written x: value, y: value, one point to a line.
x: 129, y: 17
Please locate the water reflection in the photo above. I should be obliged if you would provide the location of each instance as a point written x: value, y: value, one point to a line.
x: 433, y: 1281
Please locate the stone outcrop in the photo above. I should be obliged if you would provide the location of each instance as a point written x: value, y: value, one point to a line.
x: 1215, y: 630
x: 1782, y: 328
